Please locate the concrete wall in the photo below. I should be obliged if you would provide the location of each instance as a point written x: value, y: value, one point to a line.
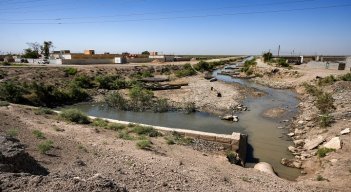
x: 139, y: 60
x: 236, y: 141
x: 87, y: 61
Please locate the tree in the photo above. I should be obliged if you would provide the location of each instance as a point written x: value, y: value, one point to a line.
x: 32, y: 51
x: 45, y: 48
x: 145, y: 53
x: 267, y: 56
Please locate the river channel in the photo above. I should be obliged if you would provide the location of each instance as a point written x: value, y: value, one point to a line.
x: 267, y: 143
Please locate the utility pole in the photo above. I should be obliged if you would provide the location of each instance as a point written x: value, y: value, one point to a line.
x: 278, y: 50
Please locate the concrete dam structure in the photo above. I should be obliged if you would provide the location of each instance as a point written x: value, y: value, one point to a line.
x: 236, y: 141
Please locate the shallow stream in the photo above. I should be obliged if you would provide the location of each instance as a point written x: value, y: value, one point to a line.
x: 267, y: 143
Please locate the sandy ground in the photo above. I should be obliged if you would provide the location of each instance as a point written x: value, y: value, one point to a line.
x: 286, y: 78
x: 164, y: 168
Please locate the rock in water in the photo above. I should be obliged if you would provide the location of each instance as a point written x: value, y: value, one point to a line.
x: 228, y: 117
x: 334, y: 143
x: 265, y: 167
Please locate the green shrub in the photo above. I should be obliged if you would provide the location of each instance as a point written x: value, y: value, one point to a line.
x: 144, y: 144
x: 190, y: 107
x: 4, y: 103
x: 100, y: 122
x: 346, y: 77
x: 12, y: 132
x: 106, y: 81
x: 322, y: 152
x: 176, y: 138
x: 146, y: 74
x: 116, y: 126
x: 45, y: 146
x: 312, y: 90
x: 38, y: 134
x: 116, y: 100
x: 282, y: 63
x: 203, y: 66
x: 320, y: 178
x: 329, y: 80
x: 5, y: 63
x: 140, y: 99
x: 186, y: 71
x: 267, y: 56
x: 12, y: 92
x: 325, y: 120
x: 76, y: 116
x: 160, y: 106
x: 43, y: 111
x: 325, y: 103
x: 82, y: 148
x: 70, y: 71
x: 248, y: 65
x: 232, y: 157
x: 170, y: 140
x: 3, y: 74
x: 75, y: 94
x: 125, y: 135
x: 83, y: 81
x: 149, y: 131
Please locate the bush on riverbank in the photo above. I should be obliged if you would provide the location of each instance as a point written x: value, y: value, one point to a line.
x: 322, y: 152
x: 325, y: 103
x: 248, y: 66
x: 76, y: 116
x: 160, y: 106
x: 117, y: 101
x: 325, y: 120
x: 84, y: 81
x: 70, y: 71
x: 186, y: 71
x: 346, y: 77
x: 140, y: 99
x: 41, y: 94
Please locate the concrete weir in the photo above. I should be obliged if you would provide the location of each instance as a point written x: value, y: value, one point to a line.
x: 236, y: 141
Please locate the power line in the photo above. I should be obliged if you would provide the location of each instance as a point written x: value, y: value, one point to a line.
x: 79, y: 7
x: 162, y: 12
x: 189, y: 17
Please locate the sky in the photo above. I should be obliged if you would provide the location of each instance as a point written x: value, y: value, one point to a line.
x: 227, y: 27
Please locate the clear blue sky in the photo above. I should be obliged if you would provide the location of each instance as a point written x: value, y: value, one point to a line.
x: 179, y: 26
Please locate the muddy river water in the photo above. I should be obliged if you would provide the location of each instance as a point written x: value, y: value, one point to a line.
x: 267, y: 142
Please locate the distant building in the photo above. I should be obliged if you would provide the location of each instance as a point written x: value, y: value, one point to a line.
x: 87, y: 57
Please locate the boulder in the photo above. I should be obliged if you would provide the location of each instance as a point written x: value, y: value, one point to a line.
x: 292, y: 149
x: 334, y: 143
x: 291, y: 134
x: 235, y: 118
x: 291, y: 163
x: 228, y: 117
x: 265, y: 167
x: 299, y: 143
x: 313, y: 143
x: 345, y: 131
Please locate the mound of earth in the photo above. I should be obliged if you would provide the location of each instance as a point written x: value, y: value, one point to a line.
x: 21, y: 172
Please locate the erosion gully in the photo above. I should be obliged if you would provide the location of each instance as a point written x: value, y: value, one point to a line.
x: 267, y: 143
